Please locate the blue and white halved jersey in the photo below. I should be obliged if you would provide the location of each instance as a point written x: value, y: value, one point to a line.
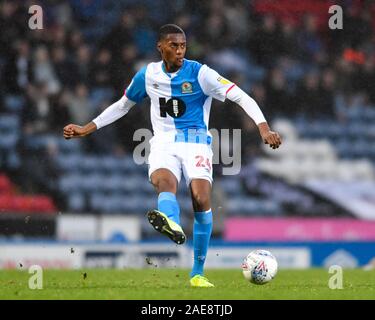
x: 179, y: 101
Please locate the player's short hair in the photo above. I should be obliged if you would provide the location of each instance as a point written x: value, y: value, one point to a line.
x: 168, y: 29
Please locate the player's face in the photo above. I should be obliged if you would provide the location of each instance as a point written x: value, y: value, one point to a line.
x: 173, y: 49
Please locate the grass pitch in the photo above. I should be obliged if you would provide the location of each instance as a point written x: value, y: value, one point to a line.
x: 172, y: 284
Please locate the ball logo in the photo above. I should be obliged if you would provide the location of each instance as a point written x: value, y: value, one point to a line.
x: 261, y: 266
x: 260, y: 272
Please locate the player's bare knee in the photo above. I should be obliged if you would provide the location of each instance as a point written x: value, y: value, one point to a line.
x: 164, y: 185
x: 201, y: 201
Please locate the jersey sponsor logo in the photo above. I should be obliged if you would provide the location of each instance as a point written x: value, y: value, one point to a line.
x: 156, y: 86
x: 174, y: 107
x: 187, y: 87
x: 223, y: 81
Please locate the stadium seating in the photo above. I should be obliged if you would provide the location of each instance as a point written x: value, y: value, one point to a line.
x: 9, y: 138
x: 316, y: 155
x: 5, y: 185
x: 11, y: 201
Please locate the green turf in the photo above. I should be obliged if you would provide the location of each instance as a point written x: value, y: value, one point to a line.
x: 149, y: 284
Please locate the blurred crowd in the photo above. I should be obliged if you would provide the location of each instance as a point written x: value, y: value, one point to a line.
x: 290, y: 62
x: 78, y: 64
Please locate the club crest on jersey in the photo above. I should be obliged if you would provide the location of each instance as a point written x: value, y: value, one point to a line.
x: 187, y: 87
x: 223, y: 81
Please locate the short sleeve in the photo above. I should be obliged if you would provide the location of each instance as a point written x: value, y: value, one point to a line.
x: 136, y: 91
x: 213, y: 84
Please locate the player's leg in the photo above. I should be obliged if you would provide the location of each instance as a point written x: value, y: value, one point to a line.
x: 201, y: 198
x: 165, y: 184
x: 166, y: 218
x: 197, y: 170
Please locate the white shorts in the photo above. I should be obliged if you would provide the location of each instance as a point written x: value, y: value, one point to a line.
x: 194, y: 160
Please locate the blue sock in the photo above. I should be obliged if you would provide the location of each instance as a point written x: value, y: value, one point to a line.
x: 167, y: 203
x: 201, y: 237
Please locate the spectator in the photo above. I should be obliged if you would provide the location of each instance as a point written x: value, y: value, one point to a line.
x: 310, y: 44
x: 79, y: 105
x: 65, y: 69
x: 278, y: 100
x: 44, y: 71
x: 327, y: 90
x: 289, y: 46
x: 216, y: 28
x: 37, y: 117
x: 12, y: 24
x: 17, y: 73
x: 126, y: 60
x: 121, y: 34
x: 43, y: 178
x: 101, y: 69
x: 76, y: 40
x: 60, y: 109
x: 307, y: 95
x: 266, y: 42
x: 366, y: 78
x: 82, y: 63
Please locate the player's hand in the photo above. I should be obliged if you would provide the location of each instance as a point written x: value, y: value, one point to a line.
x: 73, y: 131
x: 269, y: 137
x: 272, y: 138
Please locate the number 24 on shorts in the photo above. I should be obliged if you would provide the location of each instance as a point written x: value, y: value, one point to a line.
x: 202, y: 162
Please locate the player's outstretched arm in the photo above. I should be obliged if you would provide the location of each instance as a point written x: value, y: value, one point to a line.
x: 114, y: 112
x: 220, y: 88
x: 250, y: 106
x: 75, y: 131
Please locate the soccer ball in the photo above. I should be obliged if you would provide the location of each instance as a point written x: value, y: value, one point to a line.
x: 259, y: 267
